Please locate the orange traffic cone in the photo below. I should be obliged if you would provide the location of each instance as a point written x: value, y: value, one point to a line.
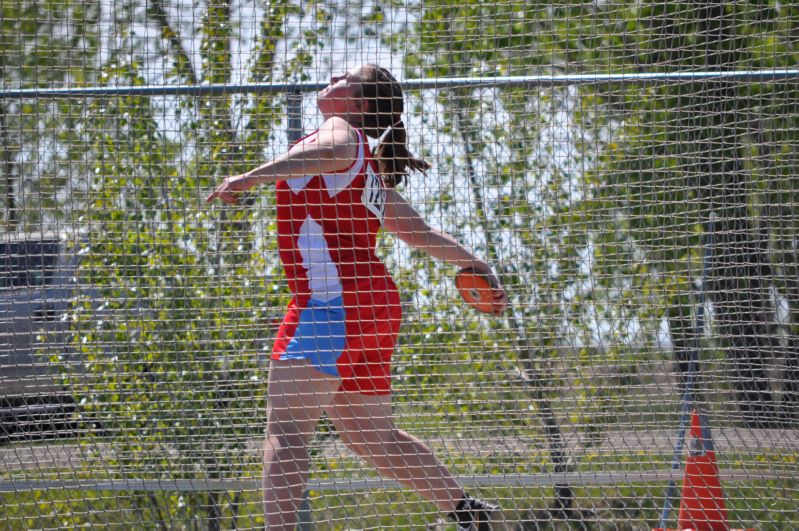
x: 702, y: 505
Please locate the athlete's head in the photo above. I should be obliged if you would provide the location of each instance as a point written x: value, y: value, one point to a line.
x: 371, y: 98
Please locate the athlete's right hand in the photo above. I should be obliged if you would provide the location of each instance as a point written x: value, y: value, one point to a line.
x: 230, y: 189
x: 499, y: 296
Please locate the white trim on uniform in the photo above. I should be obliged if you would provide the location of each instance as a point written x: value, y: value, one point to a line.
x: 321, y: 271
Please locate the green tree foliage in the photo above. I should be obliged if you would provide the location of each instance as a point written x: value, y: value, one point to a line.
x: 709, y: 155
x: 648, y: 169
x: 43, y: 44
x: 181, y: 295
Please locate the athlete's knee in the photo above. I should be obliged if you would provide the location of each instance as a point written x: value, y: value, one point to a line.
x: 282, y: 446
x: 283, y: 461
x: 357, y: 444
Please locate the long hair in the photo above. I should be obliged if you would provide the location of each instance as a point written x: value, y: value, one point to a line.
x: 383, y: 106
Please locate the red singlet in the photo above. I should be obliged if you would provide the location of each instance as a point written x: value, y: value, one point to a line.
x: 346, y: 311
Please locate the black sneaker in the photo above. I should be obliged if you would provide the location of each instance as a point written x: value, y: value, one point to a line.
x: 481, y: 514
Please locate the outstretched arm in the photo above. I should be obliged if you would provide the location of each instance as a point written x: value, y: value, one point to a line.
x: 336, y: 147
x: 404, y: 221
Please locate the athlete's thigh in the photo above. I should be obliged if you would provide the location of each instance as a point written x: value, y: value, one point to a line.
x: 297, y: 394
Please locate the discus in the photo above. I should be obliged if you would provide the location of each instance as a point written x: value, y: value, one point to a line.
x: 476, y: 290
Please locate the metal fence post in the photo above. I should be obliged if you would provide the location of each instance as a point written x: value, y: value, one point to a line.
x: 304, y: 515
x: 294, y: 116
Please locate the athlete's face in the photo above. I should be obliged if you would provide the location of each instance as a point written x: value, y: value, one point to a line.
x: 342, y: 96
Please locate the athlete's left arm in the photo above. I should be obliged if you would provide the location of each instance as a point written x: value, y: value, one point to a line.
x: 409, y: 226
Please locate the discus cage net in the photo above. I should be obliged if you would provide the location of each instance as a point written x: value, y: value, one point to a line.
x: 629, y: 168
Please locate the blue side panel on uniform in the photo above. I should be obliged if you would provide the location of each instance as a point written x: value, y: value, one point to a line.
x: 320, y: 336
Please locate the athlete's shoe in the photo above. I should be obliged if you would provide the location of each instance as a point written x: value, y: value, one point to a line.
x: 480, y: 512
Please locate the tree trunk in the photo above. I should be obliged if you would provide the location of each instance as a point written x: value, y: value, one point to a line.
x: 12, y: 210
x: 684, y: 342
x: 739, y: 290
x: 7, y: 162
x: 738, y: 282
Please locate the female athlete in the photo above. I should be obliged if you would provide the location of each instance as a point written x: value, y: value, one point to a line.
x: 333, y: 350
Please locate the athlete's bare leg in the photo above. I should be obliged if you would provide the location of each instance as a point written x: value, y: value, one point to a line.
x: 366, y: 424
x: 296, y: 396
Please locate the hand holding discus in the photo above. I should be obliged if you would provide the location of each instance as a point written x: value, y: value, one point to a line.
x: 481, y: 290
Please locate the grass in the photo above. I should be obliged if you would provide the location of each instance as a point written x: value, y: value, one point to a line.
x: 628, y: 507
x: 764, y: 505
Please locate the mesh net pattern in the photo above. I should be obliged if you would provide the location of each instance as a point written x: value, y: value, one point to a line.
x: 629, y: 170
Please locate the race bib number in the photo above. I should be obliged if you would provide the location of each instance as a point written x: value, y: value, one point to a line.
x: 374, y: 197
